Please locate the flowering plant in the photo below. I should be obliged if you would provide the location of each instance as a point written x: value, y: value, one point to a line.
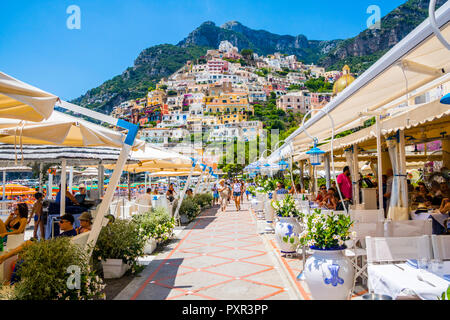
x: 269, y: 185
x: 286, y: 207
x: 56, y: 269
x: 156, y: 224
x: 120, y: 239
x: 325, y: 231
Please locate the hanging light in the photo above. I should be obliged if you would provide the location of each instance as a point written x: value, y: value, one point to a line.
x: 283, y: 165
x: 446, y: 99
x: 315, y: 155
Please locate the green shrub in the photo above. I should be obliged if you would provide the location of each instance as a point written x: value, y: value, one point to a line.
x: 156, y: 224
x: 189, y: 208
x: 120, y: 240
x: 44, y: 273
x: 203, y: 199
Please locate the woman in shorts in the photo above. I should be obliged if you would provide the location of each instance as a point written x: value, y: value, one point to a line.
x: 237, y: 187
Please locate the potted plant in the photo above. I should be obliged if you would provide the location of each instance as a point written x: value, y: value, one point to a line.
x: 203, y: 200
x: 328, y: 272
x: 287, y: 227
x: 118, y: 247
x: 189, y: 210
x: 155, y: 226
x: 56, y: 269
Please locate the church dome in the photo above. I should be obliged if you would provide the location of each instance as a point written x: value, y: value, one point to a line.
x: 344, y: 81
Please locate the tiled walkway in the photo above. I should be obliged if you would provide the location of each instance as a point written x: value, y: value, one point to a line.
x: 220, y: 256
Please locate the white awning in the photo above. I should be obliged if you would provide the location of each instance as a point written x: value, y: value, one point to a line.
x: 406, y: 118
x: 415, y: 61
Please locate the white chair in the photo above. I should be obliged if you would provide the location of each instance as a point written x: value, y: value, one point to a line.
x: 411, y: 228
x: 441, y: 246
x: 358, y: 246
x: 397, y: 249
x: 367, y: 215
x: 81, y: 239
x: 15, y: 240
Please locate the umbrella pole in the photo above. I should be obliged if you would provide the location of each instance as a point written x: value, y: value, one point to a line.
x: 380, y: 168
x: 129, y: 190
x: 63, y: 189
x: 104, y: 205
x: 4, y: 185
x: 41, y: 175
x: 180, y: 199
x: 71, y: 179
x: 50, y: 187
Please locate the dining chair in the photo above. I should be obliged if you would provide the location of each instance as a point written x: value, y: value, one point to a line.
x: 367, y: 215
x: 358, y: 247
x: 397, y: 249
x: 441, y: 246
x: 409, y: 228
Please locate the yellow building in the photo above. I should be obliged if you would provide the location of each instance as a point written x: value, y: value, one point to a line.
x: 228, y: 103
x: 234, y: 117
x: 156, y: 97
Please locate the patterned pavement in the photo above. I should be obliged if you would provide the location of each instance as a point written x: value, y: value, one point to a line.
x: 220, y: 256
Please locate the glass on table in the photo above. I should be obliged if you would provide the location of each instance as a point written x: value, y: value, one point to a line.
x: 437, y: 266
x: 423, y: 264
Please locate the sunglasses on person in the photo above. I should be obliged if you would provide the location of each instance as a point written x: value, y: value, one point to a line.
x: 62, y: 221
x: 323, y: 188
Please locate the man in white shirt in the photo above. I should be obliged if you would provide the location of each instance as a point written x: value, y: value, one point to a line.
x: 145, y: 201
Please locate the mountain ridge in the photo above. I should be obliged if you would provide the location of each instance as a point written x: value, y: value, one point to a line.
x: 156, y: 62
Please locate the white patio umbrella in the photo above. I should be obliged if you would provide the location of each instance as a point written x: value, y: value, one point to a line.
x: 61, y: 129
x: 19, y: 100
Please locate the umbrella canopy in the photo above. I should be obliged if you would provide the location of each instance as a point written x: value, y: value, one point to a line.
x: 172, y: 174
x: 61, y: 129
x: 22, y: 101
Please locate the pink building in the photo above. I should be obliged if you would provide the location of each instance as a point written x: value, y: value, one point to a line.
x: 298, y: 101
x: 217, y: 66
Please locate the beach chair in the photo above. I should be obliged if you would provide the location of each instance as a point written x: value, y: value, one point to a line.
x: 367, y: 215
x: 409, y: 228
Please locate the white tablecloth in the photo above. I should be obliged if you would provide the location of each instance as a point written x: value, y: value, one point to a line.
x: 390, y: 280
x: 439, y: 217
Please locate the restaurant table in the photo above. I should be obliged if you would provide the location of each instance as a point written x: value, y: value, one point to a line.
x: 391, y: 280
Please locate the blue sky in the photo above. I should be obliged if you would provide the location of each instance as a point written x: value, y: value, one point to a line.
x: 38, y: 48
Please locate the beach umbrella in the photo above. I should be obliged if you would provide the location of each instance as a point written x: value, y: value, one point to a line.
x: 19, y: 100
x: 61, y: 129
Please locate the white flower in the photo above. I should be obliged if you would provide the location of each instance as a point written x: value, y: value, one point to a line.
x: 340, y: 242
x: 335, y: 237
x: 314, y: 229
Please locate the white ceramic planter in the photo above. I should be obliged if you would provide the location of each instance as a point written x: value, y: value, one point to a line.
x: 287, y: 227
x: 268, y: 209
x: 150, y: 246
x: 184, y: 218
x: 114, y: 268
x: 329, y: 275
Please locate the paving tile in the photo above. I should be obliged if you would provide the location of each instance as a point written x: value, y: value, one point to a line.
x: 238, y: 290
x: 194, y: 280
x: 238, y: 269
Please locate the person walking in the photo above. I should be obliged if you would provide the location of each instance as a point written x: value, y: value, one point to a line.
x: 215, y: 191
x: 223, y: 195
x: 237, y: 194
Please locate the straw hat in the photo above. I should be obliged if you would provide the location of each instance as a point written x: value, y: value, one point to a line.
x: 82, y: 186
x: 422, y: 206
x: 85, y: 216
